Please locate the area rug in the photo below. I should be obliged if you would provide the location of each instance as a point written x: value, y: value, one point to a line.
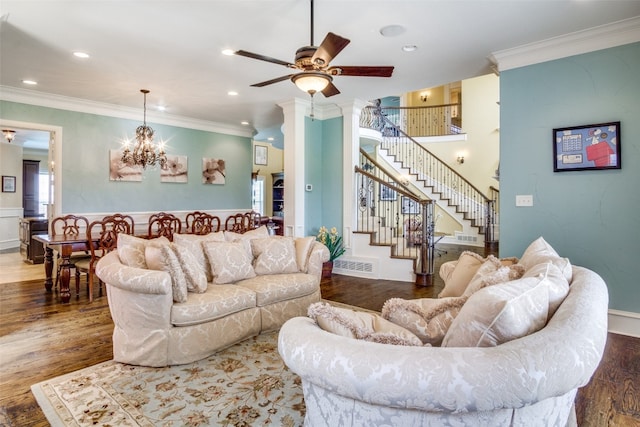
x: 244, y: 385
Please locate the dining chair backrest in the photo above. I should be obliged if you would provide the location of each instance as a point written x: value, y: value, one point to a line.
x: 253, y: 220
x: 238, y: 223
x: 69, y: 225
x: 103, y: 234
x: 202, y: 223
x: 164, y: 224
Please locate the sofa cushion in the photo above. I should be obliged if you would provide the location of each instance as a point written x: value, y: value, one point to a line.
x: 131, y: 249
x: 216, y: 302
x: 500, y: 313
x: 274, y: 288
x: 427, y: 318
x: 194, y: 242
x: 360, y: 325
x: 558, y: 285
x: 274, y: 255
x: 539, y: 252
x: 256, y: 233
x: 303, y: 250
x: 193, y: 271
x: 163, y: 258
x: 230, y: 261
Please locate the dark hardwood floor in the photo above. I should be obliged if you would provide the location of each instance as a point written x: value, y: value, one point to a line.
x: 41, y: 338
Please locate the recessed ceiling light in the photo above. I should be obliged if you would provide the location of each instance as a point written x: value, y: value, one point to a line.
x: 270, y: 138
x: 82, y: 55
x: 29, y: 82
x: 409, y: 48
x: 232, y: 93
x: 244, y: 123
x: 228, y: 52
x: 392, y: 30
x: 161, y: 108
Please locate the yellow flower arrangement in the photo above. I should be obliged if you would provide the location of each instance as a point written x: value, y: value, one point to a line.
x: 332, y: 241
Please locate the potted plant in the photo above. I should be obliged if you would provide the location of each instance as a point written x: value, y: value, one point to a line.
x: 333, y: 242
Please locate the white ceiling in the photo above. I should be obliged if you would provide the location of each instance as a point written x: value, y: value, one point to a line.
x: 173, y: 48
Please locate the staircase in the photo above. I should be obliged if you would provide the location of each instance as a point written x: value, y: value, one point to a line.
x: 396, y: 203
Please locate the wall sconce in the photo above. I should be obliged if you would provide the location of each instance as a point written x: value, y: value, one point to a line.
x: 460, y: 159
x: 9, y: 134
x: 424, y: 96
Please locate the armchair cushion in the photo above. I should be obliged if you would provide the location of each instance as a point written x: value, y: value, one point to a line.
x: 274, y: 255
x: 303, y: 250
x: 360, y: 325
x: 428, y: 318
x: 230, y: 261
x: 216, y: 302
x: 500, y: 313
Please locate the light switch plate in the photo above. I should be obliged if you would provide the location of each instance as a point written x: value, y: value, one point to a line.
x: 524, y: 200
x: 308, y: 187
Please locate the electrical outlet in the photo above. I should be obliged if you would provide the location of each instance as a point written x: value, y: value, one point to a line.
x: 524, y: 200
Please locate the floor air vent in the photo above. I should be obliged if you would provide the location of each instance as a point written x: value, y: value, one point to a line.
x: 466, y: 238
x: 364, y: 267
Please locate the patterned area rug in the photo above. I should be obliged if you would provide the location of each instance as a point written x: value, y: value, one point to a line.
x: 244, y: 385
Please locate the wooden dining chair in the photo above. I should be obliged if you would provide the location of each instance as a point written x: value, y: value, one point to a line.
x: 103, y: 238
x: 70, y: 225
x: 238, y: 223
x: 252, y: 220
x: 164, y: 224
x: 202, y: 223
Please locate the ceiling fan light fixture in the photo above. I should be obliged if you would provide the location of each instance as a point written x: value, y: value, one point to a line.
x: 311, y: 82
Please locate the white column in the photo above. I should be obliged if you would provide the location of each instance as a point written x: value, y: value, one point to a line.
x: 294, y: 170
x: 351, y: 153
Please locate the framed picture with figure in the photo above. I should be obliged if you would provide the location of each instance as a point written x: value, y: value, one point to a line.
x: 588, y: 147
x: 260, y: 155
x: 387, y: 193
x: 8, y: 184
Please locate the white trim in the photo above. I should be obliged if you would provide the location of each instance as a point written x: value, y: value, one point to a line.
x: 597, y: 38
x: 624, y: 323
x: 43, y: 99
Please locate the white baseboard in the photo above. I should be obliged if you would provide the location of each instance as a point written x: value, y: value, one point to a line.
x: 624, y: 323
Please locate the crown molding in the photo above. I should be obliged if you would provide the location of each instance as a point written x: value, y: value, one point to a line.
x: 60, y: 102
x: 585, y: 41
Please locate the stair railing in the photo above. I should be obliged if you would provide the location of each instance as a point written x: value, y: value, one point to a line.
x: 432, y: 172
x: 394, y: 216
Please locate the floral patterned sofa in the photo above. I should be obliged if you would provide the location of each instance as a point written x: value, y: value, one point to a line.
x: 175, y: 303
x: 354, y: 373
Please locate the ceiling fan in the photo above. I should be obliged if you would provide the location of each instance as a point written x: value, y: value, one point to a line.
x: 312, y: 63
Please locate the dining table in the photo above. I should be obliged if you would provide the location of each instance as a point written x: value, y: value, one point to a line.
x: 65, y: 244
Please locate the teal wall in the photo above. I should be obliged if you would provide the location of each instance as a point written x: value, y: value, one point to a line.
x: 323, y: 169
x: 87, y: 139
x: 591, y: 217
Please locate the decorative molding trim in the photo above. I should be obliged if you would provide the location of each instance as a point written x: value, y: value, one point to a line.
x: 43, y: 99
x: 624, y: 323
x: 597, y: 38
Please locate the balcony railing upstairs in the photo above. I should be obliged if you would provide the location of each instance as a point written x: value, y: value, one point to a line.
x: 434, y: 174
x: 394, y: 216
x: 436, y: 120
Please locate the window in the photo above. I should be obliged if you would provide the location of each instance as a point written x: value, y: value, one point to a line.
x: 257, y: 197
x: 43, y: 192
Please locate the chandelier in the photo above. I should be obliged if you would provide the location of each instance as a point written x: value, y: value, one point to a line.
x: 9, y: 134
x: 145, y: 152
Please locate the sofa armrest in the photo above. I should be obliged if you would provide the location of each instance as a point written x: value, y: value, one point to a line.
x: 319, y: 255
x: 549, y: 363
x: 137, y: 280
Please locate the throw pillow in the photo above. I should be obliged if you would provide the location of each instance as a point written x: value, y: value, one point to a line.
x: 257, y: 233
x: 490, y: 276
x: 193, y: 242
x: 539, y: 252
x: 274, y: 255
x: 131, y: 249
x: 558, y: 285
x: 163, y: 258
x: 427, y: 318
x: 193, y: 272
x: 466, y: 267
x: 501, y: 313
x: 303, y: 250
x: 230, y: 261
x: 360, y: 325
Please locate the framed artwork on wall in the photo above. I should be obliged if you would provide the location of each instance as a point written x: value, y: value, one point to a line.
x: 213, y: 171
x: 121, y: 171
x: 588, y: 147
x: 260, y: 153
x: 387, y: 193
x: 409, y: 206
x: 8, y: 184
x: 176, y: 170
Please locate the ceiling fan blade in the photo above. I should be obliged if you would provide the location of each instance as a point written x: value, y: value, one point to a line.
x: 331, y: 46
x: 263, y: 58
x: 364, y: 71
x: 330, y: 90
x: 276, y: 80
